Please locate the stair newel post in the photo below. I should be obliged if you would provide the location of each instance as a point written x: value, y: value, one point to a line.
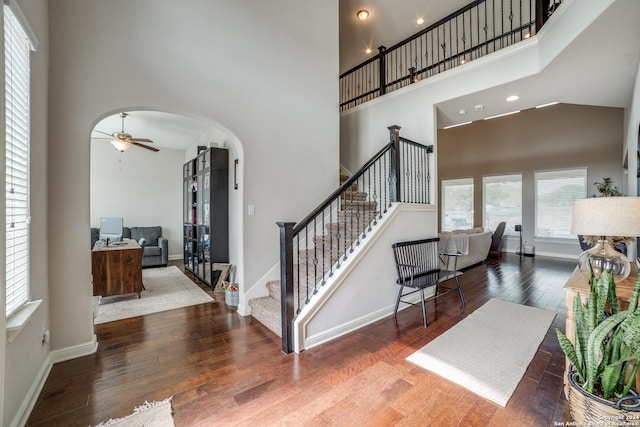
x: 286, y: 284
x: 382, y: 69
x: 394, y: 172
x: 542, y: 13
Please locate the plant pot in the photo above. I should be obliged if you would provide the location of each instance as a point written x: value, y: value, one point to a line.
x: 231, y: 298
x: 588, y: 408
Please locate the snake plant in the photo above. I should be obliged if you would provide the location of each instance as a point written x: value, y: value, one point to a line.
x: 607, y: 340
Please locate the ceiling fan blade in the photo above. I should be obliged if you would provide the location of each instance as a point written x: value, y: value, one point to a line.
x: 144, y: 146
x: 104, y: 133
x: 141, y: 140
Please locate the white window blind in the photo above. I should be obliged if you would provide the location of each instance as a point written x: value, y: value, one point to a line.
x: 457, y: 204
x: 17, y: 75
x: 555, y: 193
x: 502, y: 201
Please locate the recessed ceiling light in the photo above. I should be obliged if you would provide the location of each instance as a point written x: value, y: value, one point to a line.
x: 420, y: 21
x: 479, y: 107
x: 462, y: 61
x: 462, y: 111
x: 368, y: 50
x: 512, y: 98
x: 502, y: 115
x: 362, y: 15
x: 526, y: 36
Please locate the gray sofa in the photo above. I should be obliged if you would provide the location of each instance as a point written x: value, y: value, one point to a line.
x: 156, y: 250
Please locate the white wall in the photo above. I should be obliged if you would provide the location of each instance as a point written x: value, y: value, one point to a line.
x: 142, y: 186
x: 266, y: 76
x: 364, y: 290
x: 632, y: 121
x: 24, y: 359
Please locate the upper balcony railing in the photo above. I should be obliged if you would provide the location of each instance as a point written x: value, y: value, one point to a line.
x: 480, y: 28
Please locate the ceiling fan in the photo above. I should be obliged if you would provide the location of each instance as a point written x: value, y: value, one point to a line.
x: 122, y: 141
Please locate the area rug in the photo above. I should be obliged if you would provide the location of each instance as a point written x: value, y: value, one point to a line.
x: 166, y: 288
x: 488, y: 351
x: 151, y: 414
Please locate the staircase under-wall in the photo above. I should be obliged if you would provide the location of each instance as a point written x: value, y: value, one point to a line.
x: 356, y: 213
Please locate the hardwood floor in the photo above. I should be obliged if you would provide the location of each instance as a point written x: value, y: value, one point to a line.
x: 224, y: 369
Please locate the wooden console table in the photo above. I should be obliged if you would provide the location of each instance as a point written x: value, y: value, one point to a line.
x: 579, y: 283
x: 117, y: 268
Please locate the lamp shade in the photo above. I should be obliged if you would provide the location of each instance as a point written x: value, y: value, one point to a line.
x: 606, y: 216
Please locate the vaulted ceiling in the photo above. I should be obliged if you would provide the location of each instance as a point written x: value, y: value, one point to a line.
x: 599, y: 68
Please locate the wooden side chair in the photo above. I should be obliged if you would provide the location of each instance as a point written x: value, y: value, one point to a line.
x: 418, y: 269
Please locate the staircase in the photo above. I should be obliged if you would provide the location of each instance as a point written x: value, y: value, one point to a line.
x: 354, y: 217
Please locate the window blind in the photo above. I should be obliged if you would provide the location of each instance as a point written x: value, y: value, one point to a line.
x: 457, y: 204
x: 555, y: 193
x: 17, y: 75
x: 502, y: 201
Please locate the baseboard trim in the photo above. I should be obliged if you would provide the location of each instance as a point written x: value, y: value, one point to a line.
x: 345, y: 328
x: 22, y: 416
x: 75, y: 351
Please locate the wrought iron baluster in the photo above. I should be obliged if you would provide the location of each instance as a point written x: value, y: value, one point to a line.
x: 501, y: 23
x: 315, y: 258
x: 415, y: 175
x: 511, y: 21
x: 297, y: 279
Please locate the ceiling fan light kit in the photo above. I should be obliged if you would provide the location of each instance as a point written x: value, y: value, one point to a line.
x: 120, y: 144
x: 122, y: 141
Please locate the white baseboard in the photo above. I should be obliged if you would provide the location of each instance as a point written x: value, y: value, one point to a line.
x: 345, y: 328
x: 38, y: 383
x: 22, y: 416
x: 74, y: 352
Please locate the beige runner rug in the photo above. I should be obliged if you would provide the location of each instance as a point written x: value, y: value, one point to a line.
x: 166, y: 288
x: 150, y: 414
x: 489, y: 351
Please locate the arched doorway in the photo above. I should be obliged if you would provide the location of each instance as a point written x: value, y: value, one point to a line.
x: 144, y: 186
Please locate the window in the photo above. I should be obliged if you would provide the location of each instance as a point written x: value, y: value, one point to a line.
x: 17, y: 75
x: 502, y: 201
x: 555, y: 193
x: 457, y: 204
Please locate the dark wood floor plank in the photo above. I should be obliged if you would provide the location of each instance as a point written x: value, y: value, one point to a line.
x: 224, y: 369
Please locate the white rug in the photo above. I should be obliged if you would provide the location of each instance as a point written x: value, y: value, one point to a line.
x: 151, y: 414
x: 488, y: 351
x: 166, y: 288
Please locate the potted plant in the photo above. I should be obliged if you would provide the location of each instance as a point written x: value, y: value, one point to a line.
x: 604, y: 359
x: 606, y: 188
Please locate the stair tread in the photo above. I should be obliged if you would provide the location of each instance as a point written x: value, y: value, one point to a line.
x: 266, y: 310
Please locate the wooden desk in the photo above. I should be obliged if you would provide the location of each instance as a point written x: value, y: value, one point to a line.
x: 579, y: 283
x: 117, y: 268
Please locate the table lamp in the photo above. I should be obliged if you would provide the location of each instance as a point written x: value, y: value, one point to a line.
x: 606, y: 218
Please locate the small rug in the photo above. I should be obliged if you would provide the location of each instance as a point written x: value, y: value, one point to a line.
x: 151, y: 414
x: 488, y: 352
x: 166, y: 288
